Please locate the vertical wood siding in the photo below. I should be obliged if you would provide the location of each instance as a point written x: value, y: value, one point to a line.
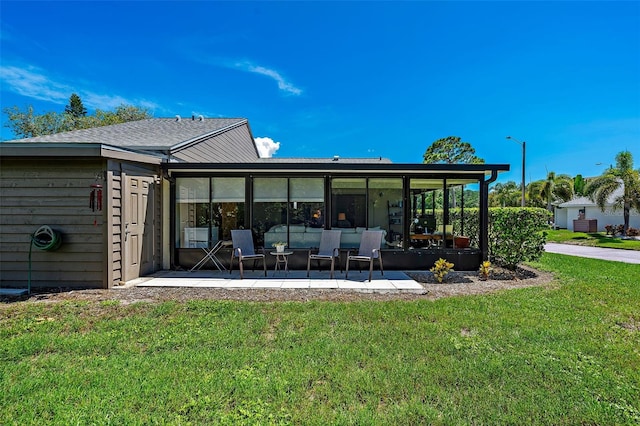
x: 116, y: 228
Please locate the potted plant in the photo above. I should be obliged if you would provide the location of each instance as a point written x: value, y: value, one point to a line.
x: 279, y: 245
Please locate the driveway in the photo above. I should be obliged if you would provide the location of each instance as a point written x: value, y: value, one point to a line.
x: 617, y: 255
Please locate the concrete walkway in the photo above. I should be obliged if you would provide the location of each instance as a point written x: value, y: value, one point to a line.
x: 617, y: 255
x: 392, y: 281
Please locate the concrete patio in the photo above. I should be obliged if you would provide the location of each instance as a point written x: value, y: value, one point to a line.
x: 392, y: 281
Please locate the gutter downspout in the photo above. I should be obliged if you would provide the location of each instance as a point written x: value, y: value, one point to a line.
x: 484, y: 215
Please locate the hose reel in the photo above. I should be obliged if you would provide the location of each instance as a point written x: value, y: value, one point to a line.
x: 45, y: 239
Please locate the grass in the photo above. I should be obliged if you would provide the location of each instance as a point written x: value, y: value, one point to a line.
x: 568, y: 353
x: 597, y: 239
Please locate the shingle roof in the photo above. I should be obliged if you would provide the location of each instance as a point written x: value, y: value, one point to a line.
x: 150, y: 134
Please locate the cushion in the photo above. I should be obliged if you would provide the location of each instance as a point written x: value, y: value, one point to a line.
x: 347, y: 230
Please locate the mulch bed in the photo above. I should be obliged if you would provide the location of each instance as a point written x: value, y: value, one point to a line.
x: 456, y: 284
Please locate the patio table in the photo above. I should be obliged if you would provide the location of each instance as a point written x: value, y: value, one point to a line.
x: 210, y: 254
x: 282, y: 257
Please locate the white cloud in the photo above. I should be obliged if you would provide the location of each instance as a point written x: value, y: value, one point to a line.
x: 34, y: 83
x: 282, y: 83
x: 266, y: 147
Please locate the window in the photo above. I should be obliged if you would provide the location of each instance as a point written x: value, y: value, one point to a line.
x: 227, y: 207
x: 269, y: 208
x: 385, y: 207
x: 288, y: 210
x: 307, y: 202
x: 430, y: 210
x: 207, y: 209
x: 192, y: 212
x: 348, y: 207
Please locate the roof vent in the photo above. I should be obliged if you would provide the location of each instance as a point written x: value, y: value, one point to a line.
x: 193, y: 117
x: 201, y: 117
x: 178, y: 118
x: 336, y: 157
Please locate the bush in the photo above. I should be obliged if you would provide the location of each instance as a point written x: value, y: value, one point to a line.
x: 517, y: 234
x: 633, y: 232
x: 514, y: 233
x: 441, y: 269
x: 614, y: 230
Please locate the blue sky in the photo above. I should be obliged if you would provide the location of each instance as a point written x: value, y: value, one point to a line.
x: 355, y: 79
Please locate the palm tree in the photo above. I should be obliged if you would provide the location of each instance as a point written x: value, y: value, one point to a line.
x: 601, y: 188
x: 534, y: 193
x: 505, y: 195
x: 557, y: 187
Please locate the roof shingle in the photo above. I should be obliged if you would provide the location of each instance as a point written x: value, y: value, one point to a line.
x: 151, y: 134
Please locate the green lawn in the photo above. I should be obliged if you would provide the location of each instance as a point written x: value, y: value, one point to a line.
x: 565, y: 354
x: 598, y: 239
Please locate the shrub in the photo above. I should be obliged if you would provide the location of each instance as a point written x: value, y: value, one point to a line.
x: 441, y: 269
x: 514, y: 232
x: 633, y: 232
x: 485, y: 270
x: 517, y: 234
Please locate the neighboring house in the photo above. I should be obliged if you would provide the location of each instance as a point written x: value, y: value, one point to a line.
x: 583, y: 207
x: 173, y: 187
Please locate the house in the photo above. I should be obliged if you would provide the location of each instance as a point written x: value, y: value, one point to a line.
x: 582, y: 208
x: 134, y: 198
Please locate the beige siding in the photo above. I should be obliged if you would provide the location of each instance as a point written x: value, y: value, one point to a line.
x: 54, y: 193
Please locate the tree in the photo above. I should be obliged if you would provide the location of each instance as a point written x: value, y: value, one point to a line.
x: 557, y: 187
x: 622, y: 178
x: 534, y: 194
x: 505, y: 195
x: 122, y: 114
x: 578, y: 185
x: 27, y: 124
x: 75, y: 108
x: 451, y: 150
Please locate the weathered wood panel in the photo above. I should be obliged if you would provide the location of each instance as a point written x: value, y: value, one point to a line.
x: 53, y: 192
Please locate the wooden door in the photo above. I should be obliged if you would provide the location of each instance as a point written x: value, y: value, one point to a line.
x: 139, y: 237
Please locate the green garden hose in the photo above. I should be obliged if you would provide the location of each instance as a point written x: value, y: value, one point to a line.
x: 45, y: 239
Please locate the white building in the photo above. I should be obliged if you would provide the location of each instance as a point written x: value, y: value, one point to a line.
x: 566, y: 213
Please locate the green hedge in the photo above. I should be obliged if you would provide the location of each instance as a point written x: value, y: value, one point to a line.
x: 516, y: 234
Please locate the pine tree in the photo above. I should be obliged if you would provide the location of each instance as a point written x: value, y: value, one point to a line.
x: 75, y: 108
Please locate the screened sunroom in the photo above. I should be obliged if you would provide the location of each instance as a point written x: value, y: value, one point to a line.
x: 419, y: 207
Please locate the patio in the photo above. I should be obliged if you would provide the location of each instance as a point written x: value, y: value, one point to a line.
x: 392, y: 281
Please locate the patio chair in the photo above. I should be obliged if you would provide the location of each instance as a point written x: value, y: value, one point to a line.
x: 243, y: 249
x: 329, y: 250
x: 445, y: 233
x: 368, y: 251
